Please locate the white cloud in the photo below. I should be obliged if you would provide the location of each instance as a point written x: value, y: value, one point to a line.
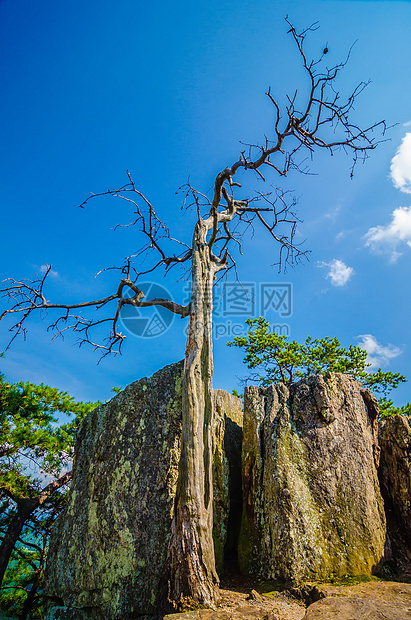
x: 333, y: 214
x: 401, y: 166
x: 52, y: 274
x: 386, y: 238
x: 339, y: 273
x: 378, y: 355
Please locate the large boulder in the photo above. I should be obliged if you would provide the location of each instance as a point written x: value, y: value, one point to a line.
x: 108, y: 548
x: 311, y: 497
x: 395, y: 479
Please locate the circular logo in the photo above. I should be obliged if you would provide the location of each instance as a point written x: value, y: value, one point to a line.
x: 147, y: 322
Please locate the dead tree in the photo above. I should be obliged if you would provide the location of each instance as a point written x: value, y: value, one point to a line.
x: 312, y: 121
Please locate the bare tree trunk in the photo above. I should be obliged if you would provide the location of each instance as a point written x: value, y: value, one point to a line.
x: 193, y: 578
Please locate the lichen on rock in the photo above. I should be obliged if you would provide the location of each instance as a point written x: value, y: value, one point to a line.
x: 110, y: 542
x: 108, y: 549
x: 312, y: 504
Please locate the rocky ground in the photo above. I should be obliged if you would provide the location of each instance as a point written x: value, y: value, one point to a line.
x: 375, y: 600
x: 240, y: 600
x: 384, y: 600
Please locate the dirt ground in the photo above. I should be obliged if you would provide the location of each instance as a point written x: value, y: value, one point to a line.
x: 238, y: 592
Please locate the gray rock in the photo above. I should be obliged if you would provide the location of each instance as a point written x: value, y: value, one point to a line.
x: 227, y: 475
x: 395, y: 470
x: 395, y: 479
x: 108, y: 548
x: 312, y: 504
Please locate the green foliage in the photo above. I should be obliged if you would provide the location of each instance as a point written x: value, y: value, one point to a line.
x: 24, y: 577
x: 387, y: 409
x: 35, y: 448
x: 25, y: 567
x: 276, y: 359
x: 235, y: 393
x: 29, y: 431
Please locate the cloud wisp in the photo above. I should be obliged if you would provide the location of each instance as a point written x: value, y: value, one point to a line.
x: 401, y: 166
x: 338, y: 272
x: 385, y: 239
x: 378, y: 354
x: 52, y: 274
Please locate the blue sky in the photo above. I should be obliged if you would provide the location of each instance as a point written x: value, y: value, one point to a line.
x: 168, y: 90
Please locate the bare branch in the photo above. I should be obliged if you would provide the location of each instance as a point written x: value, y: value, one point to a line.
x: 311, y: 120
x: 27, y: 297
x: 321, y: 108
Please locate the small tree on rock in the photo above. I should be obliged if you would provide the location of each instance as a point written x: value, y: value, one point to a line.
x: 311, y: 121
x: 273, y: 358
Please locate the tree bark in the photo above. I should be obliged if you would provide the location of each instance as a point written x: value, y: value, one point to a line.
x: 193, y: 579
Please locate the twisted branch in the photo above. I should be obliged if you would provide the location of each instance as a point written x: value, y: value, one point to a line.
x: 305, y: 124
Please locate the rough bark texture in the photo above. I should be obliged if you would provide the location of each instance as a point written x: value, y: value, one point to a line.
x: 312, y: 504
x: 192, y: 576
x: 108, y: 550
x: 395, y: 480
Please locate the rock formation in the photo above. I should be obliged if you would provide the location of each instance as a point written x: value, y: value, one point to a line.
x: 108, y: 548
x: 227, y: 474
x: 395, y: 470
x: 309, y: 496
x: 395, y: 480
x: 312, y: 504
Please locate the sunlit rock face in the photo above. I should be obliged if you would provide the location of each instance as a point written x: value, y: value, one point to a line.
x: 395, y: 479
x: 312, y: 507
x: 108, y: 550
x: 109, y: 545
